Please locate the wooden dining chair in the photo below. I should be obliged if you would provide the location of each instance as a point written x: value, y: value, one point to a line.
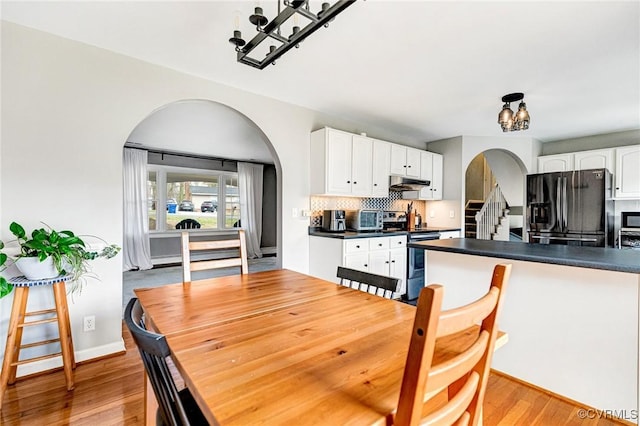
x: 188, y: 224
x: 466, y: 374
x: 175, y: 407
x: 189, y: 265
x: 379, y: 285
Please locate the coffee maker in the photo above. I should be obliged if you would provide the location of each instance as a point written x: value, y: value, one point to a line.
x: 333, y: 220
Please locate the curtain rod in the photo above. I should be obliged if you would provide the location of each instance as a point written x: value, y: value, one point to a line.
x: 135, y: 145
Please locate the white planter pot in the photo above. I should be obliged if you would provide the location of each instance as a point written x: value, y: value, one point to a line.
x: 33, y: 269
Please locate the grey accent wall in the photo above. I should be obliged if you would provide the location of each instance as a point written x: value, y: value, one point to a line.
x: 605, y: 140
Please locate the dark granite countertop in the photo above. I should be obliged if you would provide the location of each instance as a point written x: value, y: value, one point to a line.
x: 318, y: 232
x: 609, y: 259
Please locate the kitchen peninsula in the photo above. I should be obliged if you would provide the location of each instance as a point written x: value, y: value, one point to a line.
x: 571, y: 314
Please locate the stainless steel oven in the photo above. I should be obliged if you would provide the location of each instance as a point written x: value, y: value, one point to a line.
x: 416, y: 264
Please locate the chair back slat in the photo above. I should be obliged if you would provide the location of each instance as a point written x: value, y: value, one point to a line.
x: 154, y: 350
x: 380, y: 285
x: 466, y: 373
x: 188, y: 246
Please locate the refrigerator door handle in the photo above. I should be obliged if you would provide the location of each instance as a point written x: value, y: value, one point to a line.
x: 559, y: 203
x: 565, y: 207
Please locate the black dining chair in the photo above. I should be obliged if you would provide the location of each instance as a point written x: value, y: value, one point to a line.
x: 188, y: 224
x: 175, y: 408
x: 380, y: 285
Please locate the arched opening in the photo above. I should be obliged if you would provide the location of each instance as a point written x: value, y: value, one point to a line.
x: 495, y: 174
x: 193, y: 149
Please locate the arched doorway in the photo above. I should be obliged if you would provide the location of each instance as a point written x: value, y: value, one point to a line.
x: 490, y: 169
x: 195, y: 145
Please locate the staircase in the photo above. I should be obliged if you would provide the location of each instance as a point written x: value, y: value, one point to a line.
x: 488, y: 220
x: 472, y: 208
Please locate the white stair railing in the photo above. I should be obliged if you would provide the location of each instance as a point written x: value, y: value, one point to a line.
x: 489, y: 215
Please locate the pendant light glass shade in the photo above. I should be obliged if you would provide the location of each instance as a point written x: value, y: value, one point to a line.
x: 508, y: 120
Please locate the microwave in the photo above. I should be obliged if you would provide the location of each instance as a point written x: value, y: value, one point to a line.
x: 630, y: 220
x: 364, y: 220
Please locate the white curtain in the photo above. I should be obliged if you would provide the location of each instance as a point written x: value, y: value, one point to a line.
x: 250, y: 187
x: 135, y: 249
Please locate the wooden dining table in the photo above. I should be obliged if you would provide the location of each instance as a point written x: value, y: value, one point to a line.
x: 281, y: 347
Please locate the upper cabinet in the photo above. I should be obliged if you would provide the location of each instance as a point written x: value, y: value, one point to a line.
x: 596, y: 159
x: 381, y: 168
x: 555, y: 163
x: 431, y: 170
x: 622, y: 162
x: 583, y: 160
x: 346, y: 164
x: 405, y: 161
x: 628, y: 172
x: 341, y: 163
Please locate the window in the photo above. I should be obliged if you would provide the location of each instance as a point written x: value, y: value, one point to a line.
x: 209, y: 197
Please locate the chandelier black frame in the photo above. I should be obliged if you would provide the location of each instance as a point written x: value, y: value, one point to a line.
x: 271, y: 29
x: 510, y: 122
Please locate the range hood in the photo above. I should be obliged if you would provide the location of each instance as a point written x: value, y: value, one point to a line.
x: 399, y: 183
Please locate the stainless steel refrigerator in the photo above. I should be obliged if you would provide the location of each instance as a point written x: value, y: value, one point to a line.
x: 570, y: 208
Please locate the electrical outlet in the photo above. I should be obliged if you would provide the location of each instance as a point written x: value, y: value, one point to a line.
x: 89, y: 323
x: 452, y: 214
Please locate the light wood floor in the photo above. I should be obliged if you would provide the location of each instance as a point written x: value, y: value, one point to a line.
x: 109, y: 392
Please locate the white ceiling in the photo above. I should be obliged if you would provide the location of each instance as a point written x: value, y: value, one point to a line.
x: 423, y: 70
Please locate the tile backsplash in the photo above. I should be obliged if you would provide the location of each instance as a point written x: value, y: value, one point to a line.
x: 392, y: 202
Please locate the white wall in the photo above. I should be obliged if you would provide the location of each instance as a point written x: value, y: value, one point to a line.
x: 67, y: 111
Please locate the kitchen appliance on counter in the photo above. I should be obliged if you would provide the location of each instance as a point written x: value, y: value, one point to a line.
x: 334, y: 221
x: 364, y: 220
x: 394, y: 220
x: 570, y: 208
x: 629, y: 233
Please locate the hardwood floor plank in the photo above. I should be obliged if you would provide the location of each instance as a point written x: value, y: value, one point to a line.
x: 110, y: 392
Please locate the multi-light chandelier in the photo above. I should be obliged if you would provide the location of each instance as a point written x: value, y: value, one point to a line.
x: 508, y: 120
x: 271, y: 30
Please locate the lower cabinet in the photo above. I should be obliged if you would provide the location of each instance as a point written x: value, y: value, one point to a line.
x: 378, y: 255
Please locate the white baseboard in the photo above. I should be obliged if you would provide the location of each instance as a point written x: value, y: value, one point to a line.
x: 84, y: 355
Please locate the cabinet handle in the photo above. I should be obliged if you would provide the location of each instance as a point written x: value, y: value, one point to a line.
x: 409, y: 166
x: 404, y: 166
x: 379, y: 245
x: 375, y: 184
x: 355, y: 183
x: 400, y: 242
x: 617, y: 187
x: 393, y: 261
x: 366, y: 266
x: 386, y: 261
x: 348, y: 181
x: 357, y: 246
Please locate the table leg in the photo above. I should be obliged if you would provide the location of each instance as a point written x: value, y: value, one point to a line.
x: 64, y: 329
x: 150, y: 403
x: 14, y: 338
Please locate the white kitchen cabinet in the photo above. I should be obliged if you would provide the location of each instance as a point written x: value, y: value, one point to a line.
x: 381, y: 168
x: 449, y: 234
x: 378, y: 255
x: 405, y: 161
x: 594, y: 159
x: 555, y: 163
x: 628, y: 172
x: 341, y: 163
x: 431, y: 170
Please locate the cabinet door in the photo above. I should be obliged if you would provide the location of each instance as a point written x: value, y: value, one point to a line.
x: 379, y: 262
x: 398, y: 267
x: 361, y: 166
x: 398, y: 160
x: 413, y: 163
x: 438, y: 172
x: 598, y: 159
x: 555, y: 163
x: 426, y: 169
x: 628, y: 172
x: 381, y: 168
x: 339, y: 158
x: 359, y: 261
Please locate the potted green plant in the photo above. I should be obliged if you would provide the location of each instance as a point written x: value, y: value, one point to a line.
x: 47, y: 253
